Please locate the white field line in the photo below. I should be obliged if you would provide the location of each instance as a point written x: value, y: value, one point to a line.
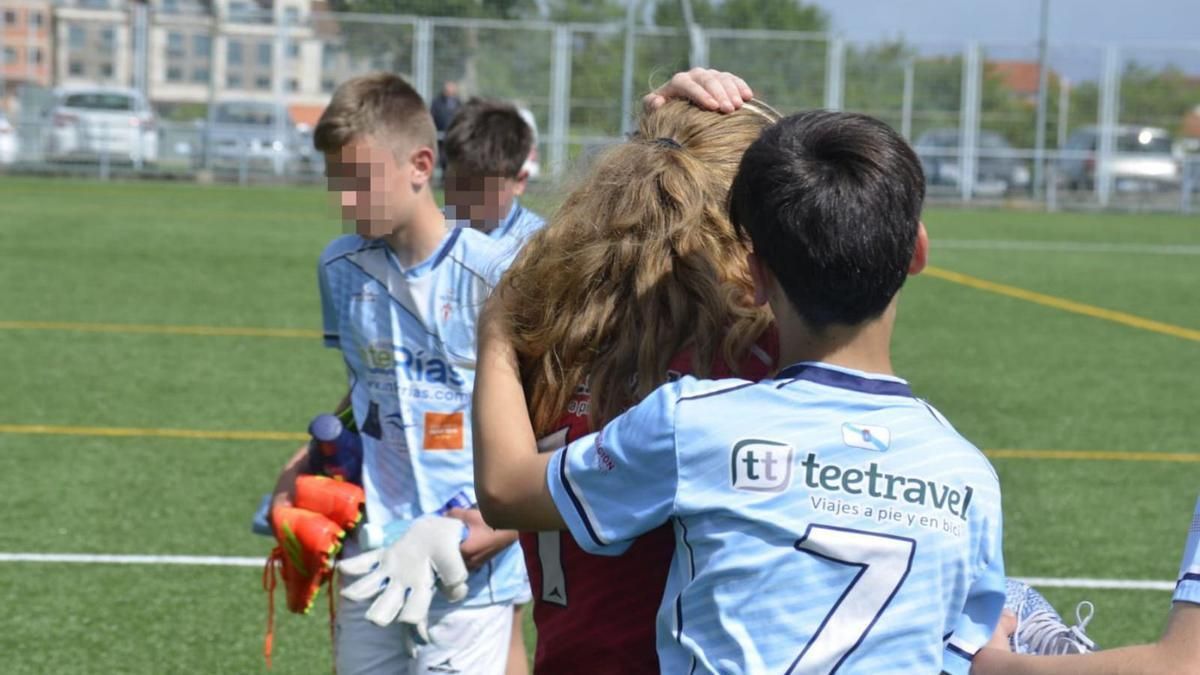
x: 1063, y: 246
x: 93, y: 558
x: 228, y: 561
x: 1104, y: 584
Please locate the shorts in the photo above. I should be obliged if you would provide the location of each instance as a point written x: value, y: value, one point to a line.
x: 467, y: 640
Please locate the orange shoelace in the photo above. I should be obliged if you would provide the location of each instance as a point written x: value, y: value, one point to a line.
x: 271, y: 570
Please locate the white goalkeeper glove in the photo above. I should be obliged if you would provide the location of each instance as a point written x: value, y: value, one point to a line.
x: 403, y: 575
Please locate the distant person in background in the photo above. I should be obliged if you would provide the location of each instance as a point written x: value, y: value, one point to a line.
x: 443, y: 108
x: 485, y: 152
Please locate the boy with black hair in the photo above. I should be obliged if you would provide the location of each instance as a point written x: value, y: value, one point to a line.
x: 824, y: 519
x: 486, y: 147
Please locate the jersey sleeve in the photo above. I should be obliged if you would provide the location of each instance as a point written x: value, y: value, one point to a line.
x: 329, y: 313
x: 619, y: 483
x: 985, y: 601
x: 1188, y: 587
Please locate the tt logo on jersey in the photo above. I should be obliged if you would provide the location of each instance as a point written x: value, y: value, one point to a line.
x: 758, y: 465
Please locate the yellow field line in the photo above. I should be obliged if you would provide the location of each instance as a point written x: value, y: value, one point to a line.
x: 1064, y: 304
x: 233, y: 331
x: 1096, y: 455
x: 128, y: 432
x: 54, y: 430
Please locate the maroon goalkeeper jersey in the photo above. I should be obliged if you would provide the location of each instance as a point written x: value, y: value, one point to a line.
x: 595, y: 614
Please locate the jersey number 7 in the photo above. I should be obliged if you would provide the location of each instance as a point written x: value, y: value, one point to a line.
x: 884, y: 562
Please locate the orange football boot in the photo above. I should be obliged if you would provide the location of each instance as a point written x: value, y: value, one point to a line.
x: 341, y: 502
x: 308, y: 545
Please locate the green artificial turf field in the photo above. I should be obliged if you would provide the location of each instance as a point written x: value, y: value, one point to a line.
x: 91, y: 272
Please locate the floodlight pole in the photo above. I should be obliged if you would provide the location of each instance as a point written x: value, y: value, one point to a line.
x: 1039, y: 143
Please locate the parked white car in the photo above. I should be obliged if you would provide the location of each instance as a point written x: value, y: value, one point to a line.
x: 8, y: 141
x: 1143, y: 160
x: 90, y: 123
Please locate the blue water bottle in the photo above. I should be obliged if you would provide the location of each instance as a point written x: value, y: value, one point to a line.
x: 335, y: 451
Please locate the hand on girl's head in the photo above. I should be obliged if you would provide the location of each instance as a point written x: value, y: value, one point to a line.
x: 707, y: 88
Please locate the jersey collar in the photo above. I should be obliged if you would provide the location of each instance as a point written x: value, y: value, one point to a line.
x: 844, y: 378
x: 506, y: 225
x: 428, y: 264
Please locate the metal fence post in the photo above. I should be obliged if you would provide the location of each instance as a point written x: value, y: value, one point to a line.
x: 141, y: 51
x: 30, y: 43
x: 1052, y: 188
x: 423, y: 58
x: 969, y: 121
x: 1039, y: 141
x: 1110, y: 88
x: 906, y: 105
x: 279, y: 115
x: 627, y: 68
x: 560, y: 99
x: 140, y: 48
x: 4, y: 67
x: 1064, y: 108
x: 1190, y: 170
x: 698, y: 40
x: 217, y: 50
x: 834, y: 73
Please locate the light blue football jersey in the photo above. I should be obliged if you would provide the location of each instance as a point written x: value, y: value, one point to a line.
x: 825, y: 521
x: 1188, y: 587
x: 513, y: 232
x: 519, y: 225
x: 408, y: 339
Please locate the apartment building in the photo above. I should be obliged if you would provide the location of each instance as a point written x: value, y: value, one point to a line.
x: 185, y: 52
x: 25, y: 45
x: 92, y: 43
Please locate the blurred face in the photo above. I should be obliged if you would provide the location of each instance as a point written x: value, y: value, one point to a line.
x: 485, y: 201
x: 375, y: 191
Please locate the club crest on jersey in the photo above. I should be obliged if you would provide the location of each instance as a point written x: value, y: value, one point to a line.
x: 758, y: 465
x: 866, y: 436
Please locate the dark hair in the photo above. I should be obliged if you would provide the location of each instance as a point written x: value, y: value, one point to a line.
x: 831, y: 202
x: 487, y: 138
x: 380, y: 104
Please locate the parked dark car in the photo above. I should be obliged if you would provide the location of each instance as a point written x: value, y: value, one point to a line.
x: 257, y: 135
x: 996, y: 170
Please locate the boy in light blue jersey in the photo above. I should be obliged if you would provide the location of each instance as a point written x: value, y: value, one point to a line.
x: 486, y: 147
x: 826, y: 520
x: 400, y: 300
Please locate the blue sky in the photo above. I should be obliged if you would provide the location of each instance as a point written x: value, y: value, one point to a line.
x: 1152, y: 32
x: 1070, y: 20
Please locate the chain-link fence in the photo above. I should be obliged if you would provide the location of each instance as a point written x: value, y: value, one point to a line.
x: 172, y: 89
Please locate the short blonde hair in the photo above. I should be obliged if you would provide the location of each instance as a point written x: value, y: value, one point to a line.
x: 381, y: 105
